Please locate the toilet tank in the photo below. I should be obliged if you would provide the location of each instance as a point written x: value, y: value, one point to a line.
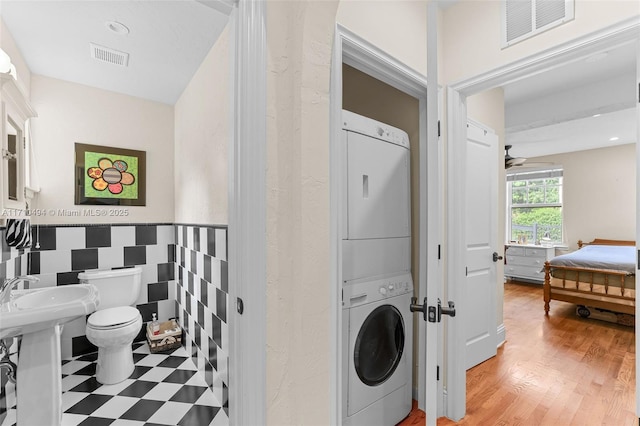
x: 117, y: 287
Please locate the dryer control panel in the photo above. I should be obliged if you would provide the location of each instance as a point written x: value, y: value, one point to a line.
x: 375, y: 129
x: 394, y: 288
x: 363, y: 291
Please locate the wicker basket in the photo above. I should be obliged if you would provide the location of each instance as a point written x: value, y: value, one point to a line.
x: 605, y: 315
x: 170, y: 337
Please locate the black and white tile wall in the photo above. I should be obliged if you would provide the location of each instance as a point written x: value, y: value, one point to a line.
x: 184, y: 275
x: 202, y: 296
x: 59, y: 253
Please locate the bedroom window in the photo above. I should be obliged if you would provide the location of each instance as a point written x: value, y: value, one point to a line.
x: 534, y: 206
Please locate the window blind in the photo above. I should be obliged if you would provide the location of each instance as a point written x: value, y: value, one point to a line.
x: 538, y: 174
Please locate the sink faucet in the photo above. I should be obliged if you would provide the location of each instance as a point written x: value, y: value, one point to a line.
x: 7, y: 286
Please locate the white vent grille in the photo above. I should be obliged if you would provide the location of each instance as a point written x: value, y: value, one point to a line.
x: 519, y: 18
x: 106, y: 54
x: 548, y: 12
x: 522, y: 19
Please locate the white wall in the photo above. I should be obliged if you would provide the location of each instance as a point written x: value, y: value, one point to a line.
x: 397, y: 27
x: 471, y: 33
x: 69, y: 113
x: 299, y: 38
x: 599, y: 193
x: 202, y: 132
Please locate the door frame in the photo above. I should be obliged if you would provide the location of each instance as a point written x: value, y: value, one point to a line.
x: 637, y: 217
x: 626, y: 31
x: 246, y: 236
x: 355, y: 51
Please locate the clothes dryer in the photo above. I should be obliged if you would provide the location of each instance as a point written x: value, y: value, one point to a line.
x: 376, y: 198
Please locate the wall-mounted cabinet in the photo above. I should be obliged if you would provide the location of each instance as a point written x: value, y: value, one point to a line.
x: 15, y: 110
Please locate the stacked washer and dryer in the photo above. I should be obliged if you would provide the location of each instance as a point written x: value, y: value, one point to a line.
x: 376, y: 267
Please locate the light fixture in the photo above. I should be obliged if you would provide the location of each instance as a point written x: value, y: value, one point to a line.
x: 6, y: 67
x: 5, y: 62
x: 615, y: 138
x: 596, y: 115
x: 117, y: 27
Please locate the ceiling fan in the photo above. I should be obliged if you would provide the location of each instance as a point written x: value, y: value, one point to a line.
x: 510, y: 161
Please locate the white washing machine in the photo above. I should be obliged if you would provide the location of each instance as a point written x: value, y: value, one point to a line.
x: 376, y: 195
x: 377, y: 350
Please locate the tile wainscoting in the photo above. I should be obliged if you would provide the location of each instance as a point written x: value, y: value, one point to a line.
x: 202, y: 296
x: 59, y: 253
x: 184, y: 275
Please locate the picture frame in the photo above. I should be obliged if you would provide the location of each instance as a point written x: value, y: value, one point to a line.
x: 109, y: 176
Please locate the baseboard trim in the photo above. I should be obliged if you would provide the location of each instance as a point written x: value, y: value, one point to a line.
x: 502, y: 335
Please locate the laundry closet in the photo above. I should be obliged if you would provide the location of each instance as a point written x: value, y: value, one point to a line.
x: 380, y: 249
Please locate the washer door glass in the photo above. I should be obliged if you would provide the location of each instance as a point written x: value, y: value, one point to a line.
x: 379, y: 345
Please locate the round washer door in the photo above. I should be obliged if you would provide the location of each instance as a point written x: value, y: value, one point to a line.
x: 379, y: 345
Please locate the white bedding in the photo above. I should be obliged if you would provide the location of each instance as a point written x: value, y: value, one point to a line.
x: 615, y: 258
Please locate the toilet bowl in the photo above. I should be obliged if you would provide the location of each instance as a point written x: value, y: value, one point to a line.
x: 112, y: 331
x: 114, y: 326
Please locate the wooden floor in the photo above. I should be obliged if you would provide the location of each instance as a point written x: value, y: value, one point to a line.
x: 556, y: 370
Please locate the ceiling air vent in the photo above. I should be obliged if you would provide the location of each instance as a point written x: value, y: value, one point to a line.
x: 522, y: 19
x: 106, y: 54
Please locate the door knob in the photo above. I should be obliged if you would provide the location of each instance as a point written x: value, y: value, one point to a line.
x: 451, y: 310
x: 428, y: 312
x: 432, y: 313
x: 415, y: 307
x: 496, y: 256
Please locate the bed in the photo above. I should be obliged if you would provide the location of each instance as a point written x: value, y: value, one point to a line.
x: 600, y: 274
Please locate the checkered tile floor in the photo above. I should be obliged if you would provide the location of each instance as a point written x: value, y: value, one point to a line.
x: 165, y: 389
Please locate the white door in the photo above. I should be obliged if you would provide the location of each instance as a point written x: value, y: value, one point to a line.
x: 481, y: 242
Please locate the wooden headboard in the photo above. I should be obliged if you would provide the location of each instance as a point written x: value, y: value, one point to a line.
x: 603, y: 242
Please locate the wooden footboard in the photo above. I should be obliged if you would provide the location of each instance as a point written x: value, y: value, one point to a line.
x: 547, y: 287
x: 582, y: 290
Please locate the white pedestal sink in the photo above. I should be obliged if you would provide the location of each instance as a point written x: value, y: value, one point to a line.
x: 38, y: 316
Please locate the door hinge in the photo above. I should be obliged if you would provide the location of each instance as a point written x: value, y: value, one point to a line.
x: 438, y: 128
x: 638, y: 92
x: 437, y: 372
x: 466, y: 271
x: 438, y: 251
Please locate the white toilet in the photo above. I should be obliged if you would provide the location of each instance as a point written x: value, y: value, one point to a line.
x: 116, y: 323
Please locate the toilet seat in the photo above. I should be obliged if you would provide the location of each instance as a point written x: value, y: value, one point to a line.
x: 110, y: 318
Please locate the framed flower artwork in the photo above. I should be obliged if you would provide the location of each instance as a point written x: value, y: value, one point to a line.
x: 110, y: 176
